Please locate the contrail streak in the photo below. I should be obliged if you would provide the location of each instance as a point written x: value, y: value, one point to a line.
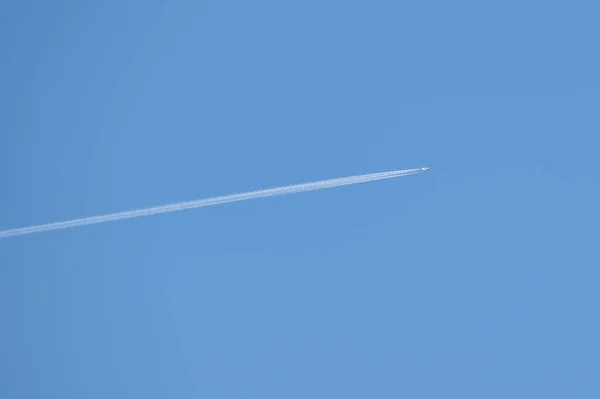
x: 285, y: 190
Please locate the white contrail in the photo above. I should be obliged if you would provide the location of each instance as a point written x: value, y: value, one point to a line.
x: 285, y: 190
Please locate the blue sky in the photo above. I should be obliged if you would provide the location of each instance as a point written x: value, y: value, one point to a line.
x: 478, y: 279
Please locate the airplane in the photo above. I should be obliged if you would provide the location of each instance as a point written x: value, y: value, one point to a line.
x: 425, y: 168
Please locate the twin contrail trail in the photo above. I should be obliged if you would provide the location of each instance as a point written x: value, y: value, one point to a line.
x: 285, y: 190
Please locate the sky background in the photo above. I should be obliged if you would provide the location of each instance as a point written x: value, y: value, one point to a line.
x: 477, y: 279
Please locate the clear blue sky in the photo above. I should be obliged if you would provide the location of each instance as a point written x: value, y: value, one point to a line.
x: 478, y: 279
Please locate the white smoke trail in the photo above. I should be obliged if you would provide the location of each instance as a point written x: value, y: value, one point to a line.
x: 285, y: 190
